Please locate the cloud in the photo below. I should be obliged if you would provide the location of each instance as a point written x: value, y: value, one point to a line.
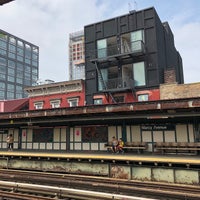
x: 47, y: 24
x: 186, y: 34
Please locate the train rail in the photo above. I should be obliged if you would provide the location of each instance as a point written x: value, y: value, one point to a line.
x: 33, y: 192
x: 6, y: 194
x: 65, y: 184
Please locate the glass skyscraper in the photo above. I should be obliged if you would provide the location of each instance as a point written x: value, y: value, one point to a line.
x: 19, y: 63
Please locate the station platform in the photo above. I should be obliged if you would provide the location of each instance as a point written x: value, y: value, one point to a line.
x: 105, y: 156
x: 170, y: 168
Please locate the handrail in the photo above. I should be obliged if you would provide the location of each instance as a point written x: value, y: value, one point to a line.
x: 116, y: 49
x: 117, y: 83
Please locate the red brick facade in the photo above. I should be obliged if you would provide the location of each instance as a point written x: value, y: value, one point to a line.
x: 57, y: 95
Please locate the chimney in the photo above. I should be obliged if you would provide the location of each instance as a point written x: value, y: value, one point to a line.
x: 170, y: 76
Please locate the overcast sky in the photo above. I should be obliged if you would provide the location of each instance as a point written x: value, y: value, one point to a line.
x: 47, y: 24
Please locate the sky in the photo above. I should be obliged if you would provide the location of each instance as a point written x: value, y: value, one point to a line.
x: 48, y: 23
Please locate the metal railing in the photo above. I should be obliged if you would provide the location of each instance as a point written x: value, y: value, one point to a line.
x: 118, y: 83
x: 116, y: 50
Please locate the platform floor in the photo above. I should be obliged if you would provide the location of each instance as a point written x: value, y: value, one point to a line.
x: 143, y: 158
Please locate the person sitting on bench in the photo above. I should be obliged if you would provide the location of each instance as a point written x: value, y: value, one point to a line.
x: 120, y: 145
x: 114, y: 144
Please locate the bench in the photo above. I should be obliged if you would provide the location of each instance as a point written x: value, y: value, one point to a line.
x: 139, y: 146
x: 178, y: 147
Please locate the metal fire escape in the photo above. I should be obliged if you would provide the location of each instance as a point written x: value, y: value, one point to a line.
x: 117, y: 54
x: 104, y: 85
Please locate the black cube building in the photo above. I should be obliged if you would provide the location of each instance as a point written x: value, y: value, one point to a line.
x: 129, y: 53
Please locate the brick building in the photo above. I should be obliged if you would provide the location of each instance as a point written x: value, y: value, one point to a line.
x: 56, y: 95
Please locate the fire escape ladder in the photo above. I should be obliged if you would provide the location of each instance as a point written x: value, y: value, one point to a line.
x: 111, y: 96
x: 104, y: 86
x: 133, y: 90
x: 126, y: 46
x: 100, y: 77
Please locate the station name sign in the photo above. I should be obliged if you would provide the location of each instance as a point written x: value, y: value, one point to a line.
x: 164, y: 127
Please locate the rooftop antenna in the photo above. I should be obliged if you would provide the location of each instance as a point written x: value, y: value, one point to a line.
x: 134, y: 7
x: 129, y: 7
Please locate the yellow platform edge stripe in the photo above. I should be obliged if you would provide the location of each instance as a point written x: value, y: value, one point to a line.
x: 134, y: 158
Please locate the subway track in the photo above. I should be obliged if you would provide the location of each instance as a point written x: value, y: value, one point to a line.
x: 64, y: 184
x: 39, y: 192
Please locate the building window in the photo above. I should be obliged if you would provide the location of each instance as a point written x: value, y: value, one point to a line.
x: 35, y: 49
x: 11, y: 64
x: 27, y: 75
x: 143, y: 97
x: 137, y: 37
x: 11, y: 79
x: 27, y: 69
x: 28, y: 61
x: 98, y: 101
x: 38, y: 105
x: 102, y: 48
x: 20, y: 67
x: 35, y: 56
x: 27, y: 46
x: 27, y: 82
x: 2, y: 76
x: 132, y: 42
x: 19, y: 88
x: 11, y: 55
x: 3, y: 36
x: 28, y: 53
x: 19, y: 80
x: 19, y: 95
x: 2, y: 61
x: 3, y: 52
x: 3, y: 44
x: 34, y: 70
x: 2, y: 85
x: 12, y: 40
x: 10, y: 87
x: 20, y: 51
x: 20, y: 43
x: 110, y: 78
x: 12, y: 48
x: 20, y: 58
x: 35, y: 63
x: 11, y: 71
x: 2, y: 94
x: 73, y: 102
x: 139, y: 74
x: 2, y: 69
x: 107, y: 47
x: 55, y: 103
x: 10, y: 95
